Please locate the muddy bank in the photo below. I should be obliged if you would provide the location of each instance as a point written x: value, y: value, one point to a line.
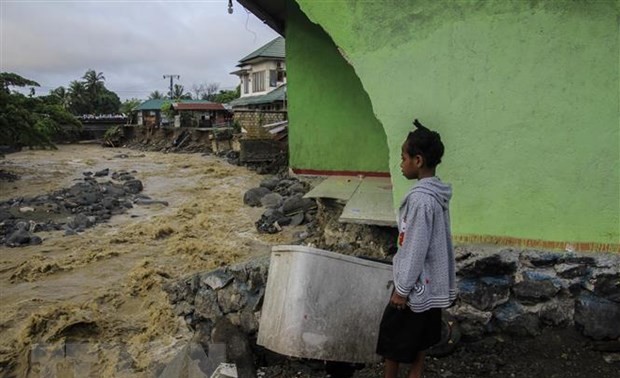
x: 103, y: 287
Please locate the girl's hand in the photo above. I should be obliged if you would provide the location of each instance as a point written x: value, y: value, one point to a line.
x: 398, y: 302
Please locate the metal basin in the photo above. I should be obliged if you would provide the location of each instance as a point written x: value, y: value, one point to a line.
x: 323, y: 305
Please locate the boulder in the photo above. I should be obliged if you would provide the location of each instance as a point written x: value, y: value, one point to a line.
x: 606, y: 285
x: 540, y: 258
x: 473, y: 322
x: 102, y: 173
x: 217, y: 279
x: 514, y: 319
x: 109, y: 203
x: 206, y: 305
x: 270, y: 183
x: 297, y: 188
x: 572, y: 270
x: 253, y: 196
x: 536, y: 287
x: 271, y: 201
x: 232, y: 297
x: 81, y: 222
x: 133, y: 186
x: 485, y: 293
x: 113, y: 190
x: 558, y: 313
x: 597, y: 317
x: 22, y: 237
x: 495, y: 264
x: 297, y: 204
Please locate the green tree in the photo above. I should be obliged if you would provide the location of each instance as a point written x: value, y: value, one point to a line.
x: 227, y: 96
x: 63, y: 96
x: 128, y: 108
x: 10, y: 79
x: 107, y: 102
x: 167, y: 110
x: 178, y: 93
x: 31, y: 121
x: 156, y: 95
x: 93, y: 81
x: 79, y: 99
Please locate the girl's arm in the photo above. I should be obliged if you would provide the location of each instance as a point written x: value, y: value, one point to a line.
x: 417, y: 236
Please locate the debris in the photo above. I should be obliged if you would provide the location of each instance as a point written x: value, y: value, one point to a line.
x: 225, y: 371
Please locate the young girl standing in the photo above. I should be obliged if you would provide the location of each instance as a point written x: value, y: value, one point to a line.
x: 424, y: 266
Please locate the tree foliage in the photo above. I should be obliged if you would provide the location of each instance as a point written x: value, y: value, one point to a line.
x: 178, y: 93
x: 90, y: 96
x: 156, y: 95
x: 227, y: 96
x: 31, y: 121
x: 128, y: 108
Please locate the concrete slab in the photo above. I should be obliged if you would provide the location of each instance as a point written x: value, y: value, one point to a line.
x: 336, y: 187
x: 371, y: 203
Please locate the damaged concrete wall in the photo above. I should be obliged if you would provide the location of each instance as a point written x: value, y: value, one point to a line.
x: 332, y: 126
x: 524, y: 93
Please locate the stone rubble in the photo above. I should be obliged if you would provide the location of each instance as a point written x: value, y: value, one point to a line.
x: 91, y: 200
x: 284, y: 203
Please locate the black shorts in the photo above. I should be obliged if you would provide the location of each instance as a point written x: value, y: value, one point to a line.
x: 404, y: 333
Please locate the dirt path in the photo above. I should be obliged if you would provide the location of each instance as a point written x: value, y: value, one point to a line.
x: 101, y: 289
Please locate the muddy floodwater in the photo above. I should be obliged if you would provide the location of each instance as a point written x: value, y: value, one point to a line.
x: 100, y: 291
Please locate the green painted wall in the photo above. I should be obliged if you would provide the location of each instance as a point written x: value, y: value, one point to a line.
x: 332, y: 126
x: 524, y: 93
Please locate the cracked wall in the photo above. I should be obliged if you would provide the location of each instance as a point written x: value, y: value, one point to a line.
x: 524, y: 93
x: 332, y: 126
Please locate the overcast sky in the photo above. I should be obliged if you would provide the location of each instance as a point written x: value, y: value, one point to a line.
x: 132, y: 42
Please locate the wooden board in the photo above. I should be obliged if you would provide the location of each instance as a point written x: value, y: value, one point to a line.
x: 371, y: 203
x: 336, y: 187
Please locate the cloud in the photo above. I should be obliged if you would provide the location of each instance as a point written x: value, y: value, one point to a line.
x: 133, y: 43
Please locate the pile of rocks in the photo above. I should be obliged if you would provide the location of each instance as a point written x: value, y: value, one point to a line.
x: 88, y: 202
x: 284, y: 203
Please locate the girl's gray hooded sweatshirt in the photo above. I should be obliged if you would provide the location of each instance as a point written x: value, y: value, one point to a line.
x: 424, y: 266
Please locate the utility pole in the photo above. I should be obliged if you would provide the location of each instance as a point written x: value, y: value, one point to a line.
x: 171, y: 81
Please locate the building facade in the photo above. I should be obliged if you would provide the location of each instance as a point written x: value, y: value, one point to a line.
x: 524, y: 94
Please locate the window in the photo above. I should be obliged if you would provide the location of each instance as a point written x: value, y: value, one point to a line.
x: 258, y: 81
x: 273, y: 78
x: 246, y: 83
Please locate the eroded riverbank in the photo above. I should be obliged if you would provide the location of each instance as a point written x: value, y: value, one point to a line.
x: 102, y: 287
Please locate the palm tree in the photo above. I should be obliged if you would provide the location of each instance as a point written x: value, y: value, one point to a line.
x: 63, y: 95
x: 178, y: 93
x: 78, y: 98
x: 93, y: 81
x: 156, y: 95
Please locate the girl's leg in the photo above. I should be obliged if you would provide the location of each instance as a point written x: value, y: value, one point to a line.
x: 390, y: 369
x: 417, y: 366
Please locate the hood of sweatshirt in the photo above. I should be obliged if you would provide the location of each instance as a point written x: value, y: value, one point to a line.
x: 433, y: 186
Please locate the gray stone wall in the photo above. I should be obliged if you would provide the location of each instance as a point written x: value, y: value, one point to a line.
x: 252, y: 120
x: 510, y: 291
x: 519, y: 292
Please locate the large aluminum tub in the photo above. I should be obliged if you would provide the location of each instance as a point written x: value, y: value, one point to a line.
x: 323, y: 305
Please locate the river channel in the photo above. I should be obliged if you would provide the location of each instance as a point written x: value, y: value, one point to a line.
x: 100, y: 291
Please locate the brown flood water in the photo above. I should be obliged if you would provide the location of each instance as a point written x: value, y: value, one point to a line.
x: 100, y: 292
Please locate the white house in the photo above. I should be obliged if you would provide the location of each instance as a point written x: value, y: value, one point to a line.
x: 262, y: 75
